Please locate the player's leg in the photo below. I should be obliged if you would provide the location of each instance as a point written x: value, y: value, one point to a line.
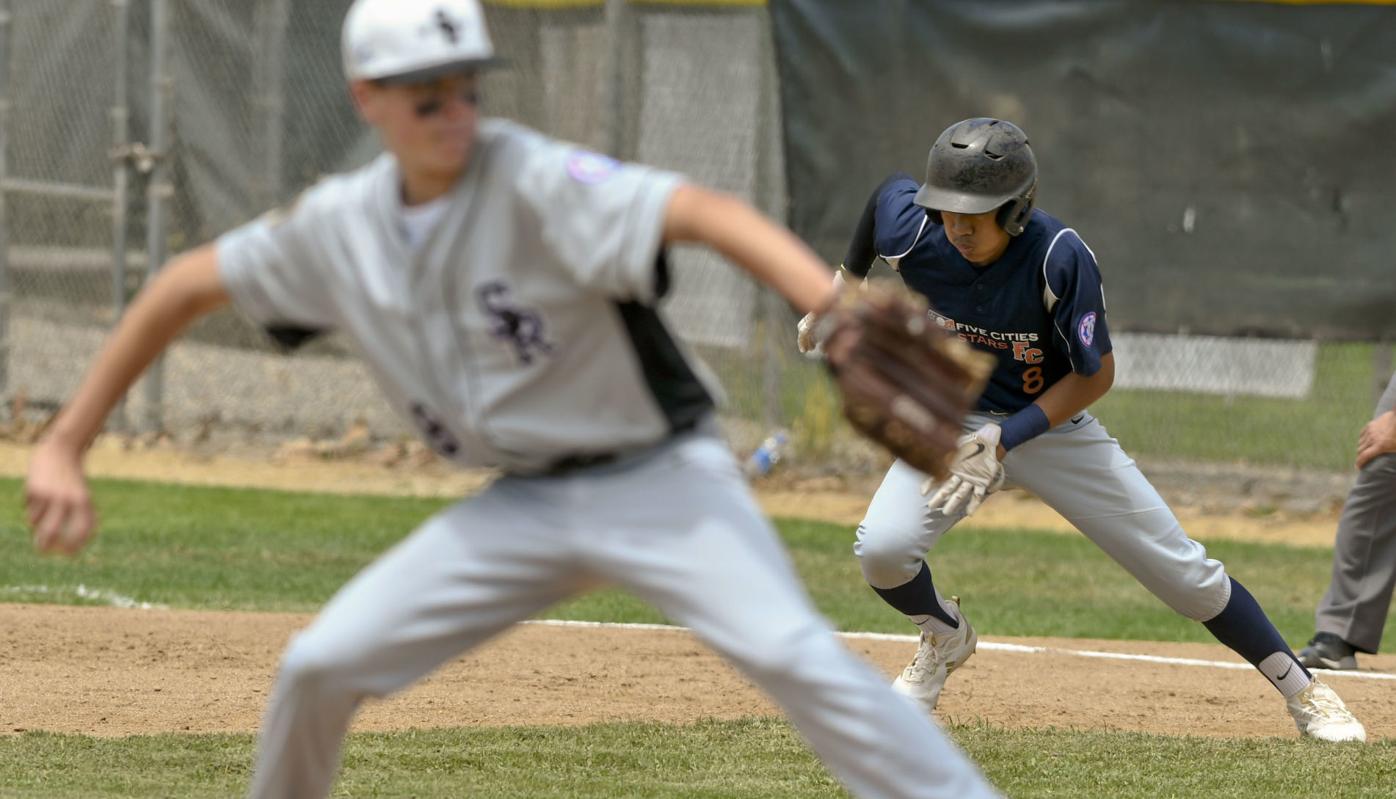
x: 1353, y: 610
x: 683, y: 533
x: 892, y: 541
x: 467, y: 573
x: 1083, y: 474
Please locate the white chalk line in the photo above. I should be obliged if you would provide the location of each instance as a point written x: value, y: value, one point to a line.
x: 110, y: 598
x: 120, y: 601
x: 996, y: 646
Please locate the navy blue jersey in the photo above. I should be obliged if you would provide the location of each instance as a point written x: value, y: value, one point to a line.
x: 1039, y: 308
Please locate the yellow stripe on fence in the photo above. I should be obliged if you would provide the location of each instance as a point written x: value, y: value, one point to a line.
x: 1322, y: 2
x: 546, y: 5
x: 550, y: 5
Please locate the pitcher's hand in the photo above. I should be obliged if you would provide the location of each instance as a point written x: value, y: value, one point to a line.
x: 57, y: 499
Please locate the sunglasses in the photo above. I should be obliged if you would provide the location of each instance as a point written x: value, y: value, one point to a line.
x: 435, y: 104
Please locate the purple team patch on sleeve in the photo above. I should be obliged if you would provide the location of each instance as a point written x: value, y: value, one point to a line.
x: 1086, y: 329
x: 588, y: 167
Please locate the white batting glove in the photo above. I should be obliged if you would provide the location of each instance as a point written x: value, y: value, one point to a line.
x: 805, y: 335
x: 804, y: 338
x: 975, y: 474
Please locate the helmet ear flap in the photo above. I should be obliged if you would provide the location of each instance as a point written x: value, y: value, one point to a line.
x: 1014, y: 215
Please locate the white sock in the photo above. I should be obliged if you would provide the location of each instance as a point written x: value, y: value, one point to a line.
x: 933, y: 626
x: 1285, y: 673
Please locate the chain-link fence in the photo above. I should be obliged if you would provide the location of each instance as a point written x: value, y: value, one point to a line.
x: 238, y: 106
x: 63, y: 201
x: 132, y: 128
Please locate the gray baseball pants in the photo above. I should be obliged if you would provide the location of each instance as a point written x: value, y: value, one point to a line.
x: 1079, y: 471
x: 1364, y: 554
x: 676, y: 526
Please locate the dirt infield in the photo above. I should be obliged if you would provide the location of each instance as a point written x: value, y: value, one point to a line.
x: 107, y: 671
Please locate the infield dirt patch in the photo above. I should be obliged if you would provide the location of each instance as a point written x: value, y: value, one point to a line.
x: 107, y: 671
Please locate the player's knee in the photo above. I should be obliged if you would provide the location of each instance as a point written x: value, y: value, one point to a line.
x: 782, y: 657
x: 887, y: 560
x: 1202, y: 593
x: 308, y: 665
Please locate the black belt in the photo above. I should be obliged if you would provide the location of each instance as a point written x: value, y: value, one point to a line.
x: 586, y: 460
x: 572, y: 463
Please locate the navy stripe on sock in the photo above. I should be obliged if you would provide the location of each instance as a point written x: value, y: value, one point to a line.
x: 1245, y: 628
x: 917, y: 597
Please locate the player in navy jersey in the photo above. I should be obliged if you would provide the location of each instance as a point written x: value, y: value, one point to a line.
x: 1018, y: 283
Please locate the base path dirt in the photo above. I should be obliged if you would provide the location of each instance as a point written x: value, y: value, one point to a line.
x: 109, y: 672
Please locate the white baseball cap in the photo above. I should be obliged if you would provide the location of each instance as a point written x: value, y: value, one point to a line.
x: 414, y: 40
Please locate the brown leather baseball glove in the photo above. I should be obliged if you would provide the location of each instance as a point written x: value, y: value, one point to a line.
x: 906, y: 382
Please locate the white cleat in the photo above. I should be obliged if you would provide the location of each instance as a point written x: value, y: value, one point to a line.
x: 936, y: 658
x: 1319, y: 713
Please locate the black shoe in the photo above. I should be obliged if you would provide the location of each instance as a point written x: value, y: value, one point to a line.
x: 1328, y: 651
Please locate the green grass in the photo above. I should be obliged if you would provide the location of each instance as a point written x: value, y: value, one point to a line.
x: 1055, y: 763
x: 747, y: 758
x: 215, y: 548
x: 198, y: 547
x: 1317, y: 432
x: 212, y: 548
x: 710, y: 759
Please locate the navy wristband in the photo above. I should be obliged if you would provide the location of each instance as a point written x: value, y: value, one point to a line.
x: 1025, y: 425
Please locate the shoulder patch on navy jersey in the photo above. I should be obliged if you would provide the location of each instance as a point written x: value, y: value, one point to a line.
x: 1085, y: 330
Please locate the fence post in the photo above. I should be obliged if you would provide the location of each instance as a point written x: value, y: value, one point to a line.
x: 768, y: 198
x: 622, y: 80
x: 271, y: 23
x: 121, y: 175
x: 5, y: 305
x: 159, y: 188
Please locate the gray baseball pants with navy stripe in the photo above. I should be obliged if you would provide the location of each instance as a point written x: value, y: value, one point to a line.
x: 1081, y: 473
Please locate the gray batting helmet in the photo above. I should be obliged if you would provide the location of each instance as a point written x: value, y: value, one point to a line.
x: 978, y: 165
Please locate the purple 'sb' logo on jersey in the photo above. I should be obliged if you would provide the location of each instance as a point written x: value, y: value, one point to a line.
x: 588, y: 167
x: 520, y: 327
x: 1086, y: 330
x: 437, y: 435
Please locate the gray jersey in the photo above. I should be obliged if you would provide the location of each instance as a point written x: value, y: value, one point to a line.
x: 523, y: 331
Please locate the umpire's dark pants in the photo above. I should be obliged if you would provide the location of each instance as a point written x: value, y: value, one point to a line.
x: 1364, y: 555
